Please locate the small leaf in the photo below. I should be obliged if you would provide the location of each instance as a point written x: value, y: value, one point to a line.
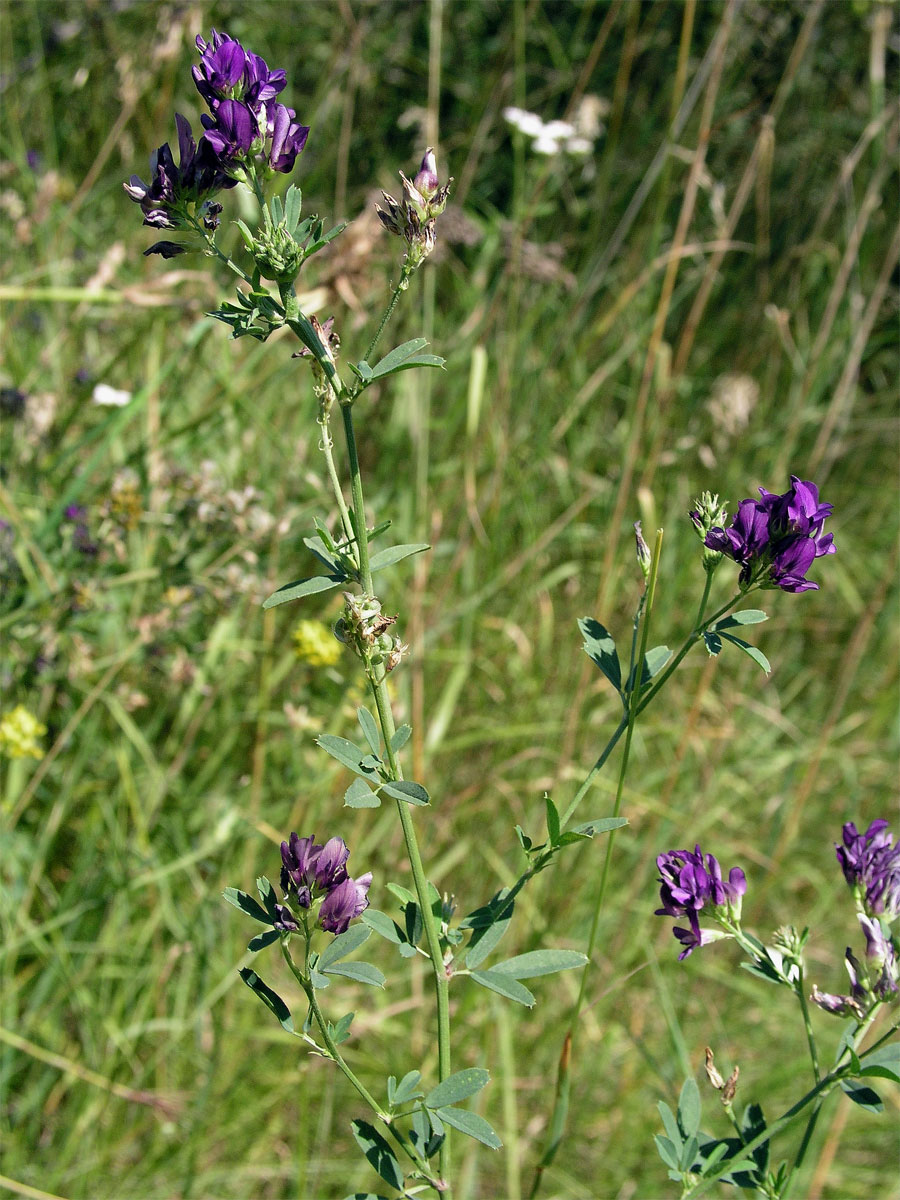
x: 304, y: 587
x: 405, y: 789
x: 292, y: 208
x: 268, y: 897
x: 689, y: 1152
x: 378, y: 1152
x: 402, y: 351
x: 600, y: 647
x: 343, y: 944
x: 485, y: 940
x: 362, y: 370
x: 360, y: 795
x: 600, y: 825
x: 667, y: 1151
x: 540, y: 962
x: 403, y: 357
x: 670, y: 1123
x: 884, y: 1062
x: 345, y: 752
x: 457, y: 1087
x: 713, y: 643
x: 865, y: 1097
x: 369, y: 726
x: 751, y: 651
x: 552, y: 820
x: 383, y: 925
x: 401, y: 737
x: 270, y: 999
x: 745, y: 616
x: 361, y: 972
x: 341, y: 1031
x: 408, y: 1088
x: 247, y: 905
x: 468, y: 1122
x: 324, y: 555
x: 689, y: 1108
x: 654, y: 661
x: 263, y: 939
x: 505, y: 986
x: 404, y: 895
x: 324, y: 239
x: 317, y: 979
x: 394, y: 554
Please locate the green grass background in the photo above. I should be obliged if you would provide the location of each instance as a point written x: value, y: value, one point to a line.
x: 133, y: 1063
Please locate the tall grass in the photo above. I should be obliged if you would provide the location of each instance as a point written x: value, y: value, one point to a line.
x: 604, y: 322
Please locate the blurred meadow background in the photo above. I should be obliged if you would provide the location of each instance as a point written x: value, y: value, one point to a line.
x: 701, y: 293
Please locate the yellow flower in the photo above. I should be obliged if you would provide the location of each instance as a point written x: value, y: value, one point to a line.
x: 19, y: 733
x: 314, y: 643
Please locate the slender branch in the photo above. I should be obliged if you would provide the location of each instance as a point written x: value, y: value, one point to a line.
x: 557, y: 1123
x: 389, y: 311
x: 378, y: 683
x: 348, y: 1072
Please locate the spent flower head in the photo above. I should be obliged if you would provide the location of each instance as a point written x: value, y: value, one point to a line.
x: 871, y: 865
x: 775, y: 539
x: 691, y: 882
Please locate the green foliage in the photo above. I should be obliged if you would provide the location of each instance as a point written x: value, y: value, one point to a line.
x: 181, y: 724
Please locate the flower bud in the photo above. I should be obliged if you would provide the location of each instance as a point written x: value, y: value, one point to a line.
x: 426, y: 180
x: 644, y: 556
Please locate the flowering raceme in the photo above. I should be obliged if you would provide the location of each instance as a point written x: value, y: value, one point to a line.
x: 871, y: 865
x: 692, y: 883
x: 776, y: 539
x: 311, y: 872
x: 246, y: 133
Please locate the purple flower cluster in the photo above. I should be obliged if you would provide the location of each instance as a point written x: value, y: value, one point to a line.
x: 691, y: 883
x: 81, y: 535
x: 871, y: 865
x: 776, y: 539
x: 311, y: 872
x: 246, y: 130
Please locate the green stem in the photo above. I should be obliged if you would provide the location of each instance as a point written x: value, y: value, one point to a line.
x: 347, y: 1070
x: 327, y: 448
x: 219, y: 254
x: 807, y: 1024
x: 359, y: 509
x: 389, y: 311
x: 378, y: 685
x: 700, y: 627
x: 557, y: 1124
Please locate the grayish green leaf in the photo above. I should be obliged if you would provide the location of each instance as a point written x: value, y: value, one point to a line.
x: 473, y: 1125
x: 600, y: 647
x: 540, y: 962
x: 247, y: 905
x: 360, y: 795
x: 378, y: 1152
x: 344, y: 944
x: 304, y: 587
x: 361, y: 972
x: 394, y: 554
x: 505, y: 985
x: 457, y: 1087
x: 270, y: 999
x: 405, y: 789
